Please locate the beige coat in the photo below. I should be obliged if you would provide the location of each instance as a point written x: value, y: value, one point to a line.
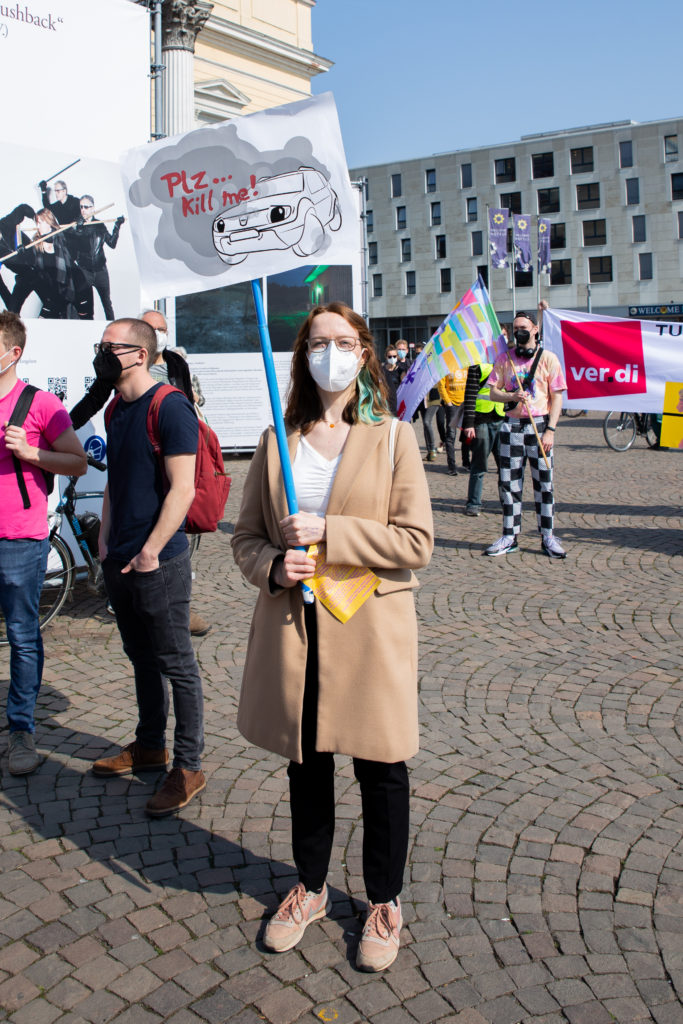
x: 367, y: 704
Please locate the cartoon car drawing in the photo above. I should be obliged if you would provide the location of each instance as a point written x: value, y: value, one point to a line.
x: 290, y: 211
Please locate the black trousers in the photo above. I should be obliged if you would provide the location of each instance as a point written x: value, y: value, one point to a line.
x: 385, y: 797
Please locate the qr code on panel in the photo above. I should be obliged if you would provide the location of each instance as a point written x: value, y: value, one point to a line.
x: 57, y: 386
x: 88, y: 382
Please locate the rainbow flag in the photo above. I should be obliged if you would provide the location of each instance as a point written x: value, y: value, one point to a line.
x: 470, y: 334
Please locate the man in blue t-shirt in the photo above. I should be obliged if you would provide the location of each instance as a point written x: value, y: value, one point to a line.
x: 146, y: 565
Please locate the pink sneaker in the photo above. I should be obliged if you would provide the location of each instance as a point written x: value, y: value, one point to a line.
x: 381, y: 937
x: 290, y: 920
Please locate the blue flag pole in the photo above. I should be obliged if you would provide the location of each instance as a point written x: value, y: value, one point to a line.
x: 276, y: 409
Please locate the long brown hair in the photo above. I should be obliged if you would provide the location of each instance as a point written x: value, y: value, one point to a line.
x: 45, y: 216
x: 367, y: 404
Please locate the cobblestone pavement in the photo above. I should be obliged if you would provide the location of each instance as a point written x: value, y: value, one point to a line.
x: 545, y: 878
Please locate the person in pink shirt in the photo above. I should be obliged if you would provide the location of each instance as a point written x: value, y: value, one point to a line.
x: 537, y: 401
x: 45, y: 443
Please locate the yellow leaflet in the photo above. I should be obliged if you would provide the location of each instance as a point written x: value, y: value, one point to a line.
x: 341, y: 588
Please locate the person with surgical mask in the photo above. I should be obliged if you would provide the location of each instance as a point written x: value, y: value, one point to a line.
x: 392, y: 376
x: 315, y: 685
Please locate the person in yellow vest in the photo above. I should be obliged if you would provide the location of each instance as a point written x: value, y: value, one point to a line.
x: 452, y: 394
x: 481, y: 422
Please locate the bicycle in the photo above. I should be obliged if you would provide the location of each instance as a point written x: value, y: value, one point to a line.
x: 622, y: 428
x: 62, y: 571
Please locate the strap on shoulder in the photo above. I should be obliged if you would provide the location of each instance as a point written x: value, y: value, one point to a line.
x: 19, y: 414
x: 392, y: 443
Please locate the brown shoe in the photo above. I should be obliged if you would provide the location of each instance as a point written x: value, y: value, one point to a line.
x: 198, y: 625
x: 133, y: 758
x: 177, y: 789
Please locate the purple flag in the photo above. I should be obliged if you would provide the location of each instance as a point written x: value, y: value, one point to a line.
x: 498, y: 238
x: 544, y: 260
x: 521, y: 238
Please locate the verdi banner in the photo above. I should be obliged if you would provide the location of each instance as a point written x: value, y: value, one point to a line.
x: 521, y: 238
x: 544, y: 259
x: 242, y: 200
x: 613, y: 363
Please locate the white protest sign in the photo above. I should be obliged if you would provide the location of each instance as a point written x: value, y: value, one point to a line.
x: 242, y: 200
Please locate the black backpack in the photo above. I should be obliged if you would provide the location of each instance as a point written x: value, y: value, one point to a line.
x: 19, y: 414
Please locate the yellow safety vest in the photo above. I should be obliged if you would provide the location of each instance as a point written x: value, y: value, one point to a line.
x: 483, y: 403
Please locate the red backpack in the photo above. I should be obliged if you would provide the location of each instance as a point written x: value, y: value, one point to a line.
x: 211, y: 482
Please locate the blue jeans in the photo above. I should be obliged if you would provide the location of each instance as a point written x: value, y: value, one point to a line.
x: 22, y: 571
x: 153, y: 615
x: 485, y: 442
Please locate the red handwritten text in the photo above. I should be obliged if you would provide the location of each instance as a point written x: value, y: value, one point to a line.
x: 198, y: 197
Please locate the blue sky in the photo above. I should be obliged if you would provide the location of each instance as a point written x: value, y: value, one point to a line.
x: 416, y: 77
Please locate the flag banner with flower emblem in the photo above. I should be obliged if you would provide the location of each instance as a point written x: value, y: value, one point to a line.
x: 498, y: 238
x: 521, y: 240
x: 544, y: 260
x: 469, y: 334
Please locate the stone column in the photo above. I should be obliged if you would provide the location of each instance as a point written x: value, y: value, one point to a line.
x: 182, y: 20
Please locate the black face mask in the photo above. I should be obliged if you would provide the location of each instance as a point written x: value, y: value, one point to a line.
x: 107, y: 366
x: 522, y: 349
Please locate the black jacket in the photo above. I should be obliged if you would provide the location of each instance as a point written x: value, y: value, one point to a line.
x: 86, y: 242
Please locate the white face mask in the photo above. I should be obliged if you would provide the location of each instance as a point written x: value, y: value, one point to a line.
x: 9, y: 366
x: 333, y: 370
x: 162, y: 339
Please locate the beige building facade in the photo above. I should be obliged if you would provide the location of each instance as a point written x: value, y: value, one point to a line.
x: 613, y: 194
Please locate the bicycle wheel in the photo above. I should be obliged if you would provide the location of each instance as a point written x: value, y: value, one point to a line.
x: 58, y: 580
x: 619, y: 429
x: 650, y: 430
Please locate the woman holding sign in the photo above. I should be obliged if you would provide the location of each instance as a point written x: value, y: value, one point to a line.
x: 338, y: 675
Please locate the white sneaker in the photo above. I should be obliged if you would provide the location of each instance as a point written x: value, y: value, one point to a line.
x: 503, y: 546
x: 551, y: 546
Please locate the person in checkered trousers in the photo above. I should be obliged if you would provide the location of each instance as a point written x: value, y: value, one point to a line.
x: 540, y: 398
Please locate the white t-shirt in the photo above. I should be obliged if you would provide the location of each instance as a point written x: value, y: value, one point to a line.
x: 313, y: 478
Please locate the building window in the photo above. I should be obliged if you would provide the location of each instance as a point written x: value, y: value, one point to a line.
x: 561, y: 272
x: 670, y: 147
x: 595, y: 232
x: 405, y: 250
x: 372, y: 253
x: 677, y: 186
x: 542, y: 165
x: 626, y: 154
x: 440, y: 247
x: 548, y: 200
x: 600, y: 269
x: 436, y: 214
x: 680, y: 223
x: 511, y: 201
x: 639, y: 234
x: 430, y: 180
x: 506, y: 170
x: 477, y: 243
x: 524, y: 278
x: 396, y: 186
x: 410, y: 282
x: 401, y: 218
x: 558, y: 236
x: 369, y: 220
x: 472, y: 210
x: 645, y: 265
x: 582, y: 160
x: 632, y: 191
x: 445, y: 279
x: 466, y: 175
x: 483, y: 272
x: 587, y: 197
x: 376, y: 286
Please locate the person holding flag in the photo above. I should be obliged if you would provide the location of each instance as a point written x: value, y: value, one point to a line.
x: 315, y: 685
x: 531, y: 378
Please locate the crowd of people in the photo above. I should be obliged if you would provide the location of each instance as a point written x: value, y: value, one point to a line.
x: 61, y: 258
x: 316, y: 682
x: 508, y: 409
